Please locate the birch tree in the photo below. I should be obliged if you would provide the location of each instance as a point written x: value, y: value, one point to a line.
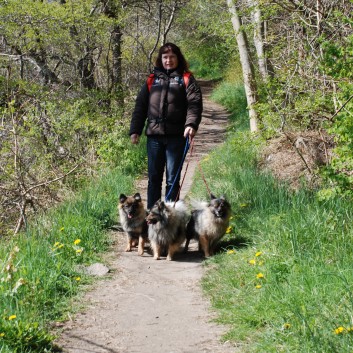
x: 258, y: 38
x: 248, y: 70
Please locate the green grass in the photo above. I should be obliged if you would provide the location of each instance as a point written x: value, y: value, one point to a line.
x: 232, y: 97
x: 40, y: 276
x: 304, y: 254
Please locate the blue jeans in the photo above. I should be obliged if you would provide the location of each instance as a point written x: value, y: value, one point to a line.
x: 164, y: 152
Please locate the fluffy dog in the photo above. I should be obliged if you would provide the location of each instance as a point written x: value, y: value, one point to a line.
x: 132, y: 215
x: 167, y: 227
x: 208, y: 223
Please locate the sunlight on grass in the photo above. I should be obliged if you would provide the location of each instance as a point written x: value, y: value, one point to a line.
x: 287, y: 285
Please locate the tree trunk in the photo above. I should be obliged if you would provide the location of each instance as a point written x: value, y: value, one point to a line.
x: 248, y: 71
x: 258, y: 39
x: 111, y: 10
x: 86, y: 67
x: 117, y: 81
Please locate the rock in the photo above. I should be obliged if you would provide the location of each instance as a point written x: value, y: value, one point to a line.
x: 97, y: 269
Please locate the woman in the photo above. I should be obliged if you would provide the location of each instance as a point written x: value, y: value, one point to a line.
x: 173, y: 114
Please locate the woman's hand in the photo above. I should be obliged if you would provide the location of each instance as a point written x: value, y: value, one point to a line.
x: 189, y: 132
x: 135, y: 139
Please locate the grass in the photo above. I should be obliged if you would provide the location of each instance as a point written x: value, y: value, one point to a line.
x: 40, y: 276
x: 282, y: 280
x: 232, y: 96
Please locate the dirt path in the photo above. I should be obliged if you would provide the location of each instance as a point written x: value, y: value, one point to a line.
x: 147, y: 305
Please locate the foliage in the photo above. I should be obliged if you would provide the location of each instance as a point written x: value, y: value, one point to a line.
x: 67, y: 84
x: 55, y: 38
x: 205, y: 36
x: 339, y: 65
x: 116, y: 150
x: 45, y: 139
x: 308, y: 59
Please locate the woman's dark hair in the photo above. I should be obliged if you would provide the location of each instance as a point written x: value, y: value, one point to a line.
x: 182, y: 63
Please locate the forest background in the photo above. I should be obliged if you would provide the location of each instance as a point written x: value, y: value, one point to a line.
x: 70, y: 71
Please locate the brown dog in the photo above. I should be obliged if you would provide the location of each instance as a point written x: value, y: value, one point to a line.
x: 132, y: 215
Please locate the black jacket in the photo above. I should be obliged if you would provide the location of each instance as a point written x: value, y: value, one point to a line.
x: 169, y: 107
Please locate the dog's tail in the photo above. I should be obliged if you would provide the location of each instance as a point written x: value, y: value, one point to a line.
x: 199, y: 205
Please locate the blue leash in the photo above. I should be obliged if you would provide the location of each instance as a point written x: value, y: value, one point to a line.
x: 187, y: 145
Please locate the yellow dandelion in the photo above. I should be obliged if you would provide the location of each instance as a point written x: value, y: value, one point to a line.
x: 243, y: 205
x: 231, y: 252
x: 12, y: 317
x: 286, y: 326
x: 252, y: 262
x: 60, y: 246
x: 56, y: 244
x: 339, y: 330
x: 2, y: 334
x: 79, y: 251
x: 260, y: 275
x: 259, y: 253
x: 62, y: 229
x: 77, y: 279
x: 229, y: 229
x: 77, y: 241
x: 258, y: 286
x: 231, y: 217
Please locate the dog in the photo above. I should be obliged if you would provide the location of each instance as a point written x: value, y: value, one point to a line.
x: 167, y: 227
x: 208, y: 223
x: 132, y: 215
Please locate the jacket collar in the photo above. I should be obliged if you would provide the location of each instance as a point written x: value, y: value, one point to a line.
x: 169, y: 73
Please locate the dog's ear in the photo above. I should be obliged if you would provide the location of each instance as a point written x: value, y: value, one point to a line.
x: 137, y: 196
x: 212, y: 196
x: 156, y: 204
x: 161, y: 205
x: 122, y: 198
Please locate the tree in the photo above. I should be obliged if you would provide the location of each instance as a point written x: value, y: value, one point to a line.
x: 258, y: 39
x: 248, y: 71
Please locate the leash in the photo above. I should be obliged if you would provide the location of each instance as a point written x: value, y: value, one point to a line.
x: 204, y: 180
x: 187, y: 145
x: 186, y: 169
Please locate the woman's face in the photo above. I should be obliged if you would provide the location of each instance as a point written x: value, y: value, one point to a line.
x: 169, y: 60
